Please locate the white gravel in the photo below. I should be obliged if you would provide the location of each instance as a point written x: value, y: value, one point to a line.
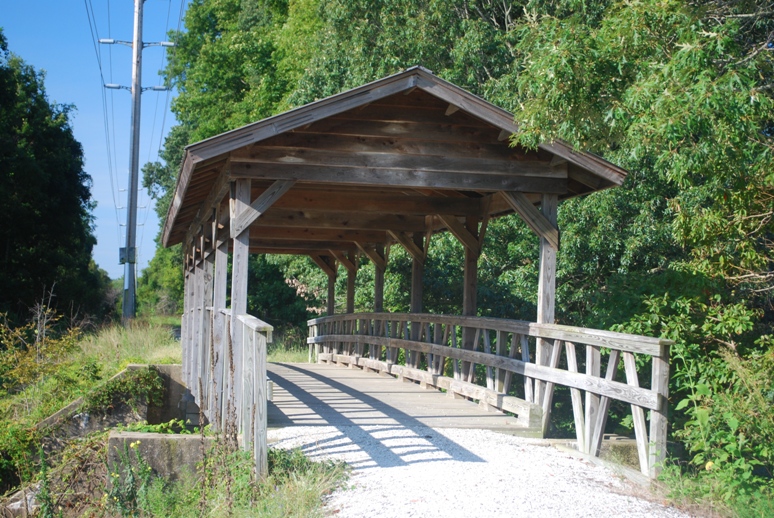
x: 425, y: 472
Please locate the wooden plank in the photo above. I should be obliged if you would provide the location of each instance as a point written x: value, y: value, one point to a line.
x: 608, y: 339
x: 217, y: 191
x: 470, y: 296
x: 593, y: 384
x: 535, y: 219
x: 638, y: 415
x: 516, y: 326
x: 247, y: 216
x: 351, y: 266
x: 575, y: 395
x: 549, y: 394
x: 408, y: 131
x: 529, y: 385
x: 658, y: 417
x: 468, y: 239
x: 399, y: 177
x: 546, y: 289
x: 593, y: 357
x: 604, y: 405
x: 366, y: 238
x: 260, y: 444
x: 341, y: 220
x: 331, y: 305
x: 407, y: 242
x: 322, y: 159
x: 451, y: 109
x: 379, y: 202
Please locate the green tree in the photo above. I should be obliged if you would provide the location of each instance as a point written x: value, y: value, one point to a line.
x: 46, y: 233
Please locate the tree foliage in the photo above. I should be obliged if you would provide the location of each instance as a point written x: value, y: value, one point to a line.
x: 46, y: 232
x: 678, y: 93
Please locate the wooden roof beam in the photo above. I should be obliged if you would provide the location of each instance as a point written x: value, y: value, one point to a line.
x: 410, y: 177
x: 346, y: 262
x: 371, y: 252
x: 260, y: 206
x: 459, y: 230
x: 327, y: 264
x: 340, y: 220
x: 415, y: 251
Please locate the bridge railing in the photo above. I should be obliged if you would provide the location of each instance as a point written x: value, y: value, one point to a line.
x: 227, y: 377
x: 513, y: 366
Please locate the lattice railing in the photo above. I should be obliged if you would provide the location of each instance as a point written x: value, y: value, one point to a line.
x: 513, y: 366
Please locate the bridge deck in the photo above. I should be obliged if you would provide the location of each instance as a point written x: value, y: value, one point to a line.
x: 329, y: 395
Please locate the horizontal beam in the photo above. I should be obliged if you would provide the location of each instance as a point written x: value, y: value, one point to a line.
x: 321, y: 234
x: 260, y: 242
x: 299, y: 156
x: 325, y: 200
x: 399, y: 178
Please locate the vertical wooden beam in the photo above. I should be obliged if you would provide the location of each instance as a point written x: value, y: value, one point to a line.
x: 379, y: 281
x: 208, y: 266
x: 240, y: 201
x: 331, y: 307
x: 351, y: 278
x: 658, y: 418
x: 469, y: 294
x: 185, y: 328
x: 417, y: 288
x: 546, y: 291
x: 219, y: 295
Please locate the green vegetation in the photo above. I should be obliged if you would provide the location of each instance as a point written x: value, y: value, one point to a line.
x: 678, y: 93
x: 46, y: 233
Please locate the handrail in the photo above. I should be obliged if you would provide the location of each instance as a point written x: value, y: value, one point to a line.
x: 429, y: 342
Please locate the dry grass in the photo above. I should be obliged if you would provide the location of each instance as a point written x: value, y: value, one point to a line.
x: 141, y: 342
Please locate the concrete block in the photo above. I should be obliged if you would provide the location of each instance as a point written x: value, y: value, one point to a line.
x: 168, y: 455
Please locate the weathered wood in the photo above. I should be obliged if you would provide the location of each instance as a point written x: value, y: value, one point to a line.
x: 347, y: 262
x: 608, y: 339
x: 546, y: 289
x: 593, y: 384
x: 331, y: 303
x: 240, y: 201
x: 327, y: 265
x: 323, y: 160
x: 366, y: 238
x: 593, y: 358
x: 548, y: 398
x: 658, y: 417
x: 534, y: 219
x: 261, y: 204
x: 470, y: 295
x: 417, y: 288
x: 380, y: 266
x: 341, y: 220
x: 575, y: 395
x: 374, y: 253
x: 604, y: 405
x: 370, y: 175
x: 460, y: 231
x: 351, y: 278
x: 638, y: 415
x: 416, y: 252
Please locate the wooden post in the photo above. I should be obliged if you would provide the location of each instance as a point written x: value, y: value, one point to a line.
x: 240, y: 201
x: 331, y: 307
x: 417, y: 274
x: 351, y: 278
x: 184, y: 324
x: 469, y: 294
x: 658, y: 418
x: 197, y: 329
x: 260, y: 444
x: 219, y: 294
x: 546, y: 296
x: 379, y: 281
x: 207, y: 351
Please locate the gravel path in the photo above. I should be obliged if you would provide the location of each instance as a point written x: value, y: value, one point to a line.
x: 425, y: 472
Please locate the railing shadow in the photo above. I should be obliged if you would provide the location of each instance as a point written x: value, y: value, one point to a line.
x: 377, y: 435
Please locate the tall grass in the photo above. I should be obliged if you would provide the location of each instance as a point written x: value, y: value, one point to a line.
x: 116, y: 346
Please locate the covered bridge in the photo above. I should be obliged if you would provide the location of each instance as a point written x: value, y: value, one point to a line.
x: 387, y: 163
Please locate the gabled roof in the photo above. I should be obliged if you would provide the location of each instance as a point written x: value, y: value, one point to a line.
x: 207, y: 164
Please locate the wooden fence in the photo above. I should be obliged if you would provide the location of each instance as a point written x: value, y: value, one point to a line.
x: 224, y: 366
x: 490, y: 360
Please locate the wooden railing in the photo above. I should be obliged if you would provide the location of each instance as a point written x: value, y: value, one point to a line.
x: 228, y: 378
x: 512, y: 366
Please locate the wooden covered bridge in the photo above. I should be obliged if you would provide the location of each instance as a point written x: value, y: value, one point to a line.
x: 391, y: 163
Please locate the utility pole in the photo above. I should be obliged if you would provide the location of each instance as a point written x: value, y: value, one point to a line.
x: 130, y: 270
x: 128, y: 254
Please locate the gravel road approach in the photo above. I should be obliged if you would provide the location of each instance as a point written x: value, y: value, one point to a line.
x: 401, y: 471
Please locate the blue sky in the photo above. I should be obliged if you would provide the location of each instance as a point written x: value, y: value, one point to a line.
x: 55, y: 36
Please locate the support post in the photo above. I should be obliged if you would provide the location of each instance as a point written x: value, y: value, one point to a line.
x: 240, y: 201
x: 658, y: 418
x: 351, y: 278
x: 379, y: 281
x: 219, y: 293
x: 546, y: 297
x: 417, y: 275
x: 470, y: 295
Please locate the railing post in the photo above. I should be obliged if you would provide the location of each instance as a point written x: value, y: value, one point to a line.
x: 658, y: 418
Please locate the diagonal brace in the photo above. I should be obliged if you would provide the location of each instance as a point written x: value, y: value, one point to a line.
x: 532, y: 217
x: 259, y: 206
